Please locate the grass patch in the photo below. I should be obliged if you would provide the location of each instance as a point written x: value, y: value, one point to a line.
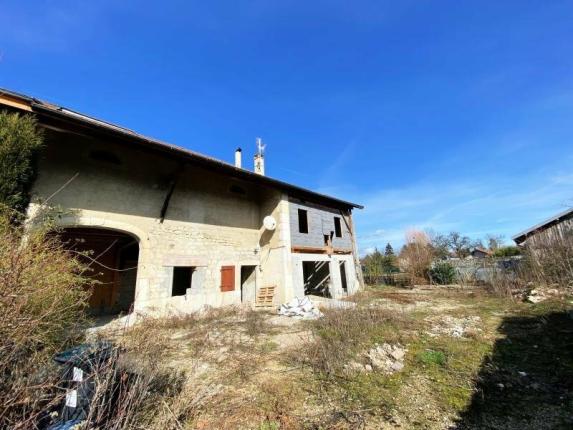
x: 431, y: 357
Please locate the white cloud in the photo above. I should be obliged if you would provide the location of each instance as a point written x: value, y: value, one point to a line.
x: 496, y: 205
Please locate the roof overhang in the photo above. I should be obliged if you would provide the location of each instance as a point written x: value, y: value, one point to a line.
x: 50, y: 113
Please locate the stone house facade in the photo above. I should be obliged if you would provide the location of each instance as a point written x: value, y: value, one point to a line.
x: 170, y: 230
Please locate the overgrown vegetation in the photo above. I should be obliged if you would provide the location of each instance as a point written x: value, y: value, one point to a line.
x: 20, y: 141
x: 42, y: 301
x: 435, y: 389
x: 549, y: 257
x: 376, y: 265
x: 507, y: 251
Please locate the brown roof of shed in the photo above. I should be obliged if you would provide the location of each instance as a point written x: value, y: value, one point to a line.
x: 47, y: 110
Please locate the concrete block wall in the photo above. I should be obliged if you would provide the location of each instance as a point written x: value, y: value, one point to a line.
x: 320, y: 223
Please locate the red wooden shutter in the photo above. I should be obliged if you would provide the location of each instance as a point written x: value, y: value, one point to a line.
x: 228, y: 278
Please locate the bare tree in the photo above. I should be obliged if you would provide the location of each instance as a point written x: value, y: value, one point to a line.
x: 459, y: 245
x: 494, y: 241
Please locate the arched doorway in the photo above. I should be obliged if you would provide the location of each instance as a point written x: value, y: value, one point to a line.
x: 112, y: 258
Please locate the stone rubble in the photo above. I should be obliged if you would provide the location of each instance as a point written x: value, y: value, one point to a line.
x: 540, y: 294
x: 454, y: 327
x: 385, y: 358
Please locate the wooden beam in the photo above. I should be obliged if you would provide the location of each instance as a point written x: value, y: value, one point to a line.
x: 7, y: 100
x: 357, y: 265
x: 308, y: 250
x: 172, y: 185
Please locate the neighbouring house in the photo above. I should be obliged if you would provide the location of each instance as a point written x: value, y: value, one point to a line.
x: 169, y: 229
x: 480, y: 253
x: 554, y: 228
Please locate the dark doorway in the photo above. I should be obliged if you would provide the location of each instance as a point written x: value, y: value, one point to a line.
x: 248, y: 284
x: 343, y: 276
x: 316, y: 275
x: 111, y: 258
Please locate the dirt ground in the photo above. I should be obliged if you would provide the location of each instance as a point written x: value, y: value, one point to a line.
x: 470, y: 361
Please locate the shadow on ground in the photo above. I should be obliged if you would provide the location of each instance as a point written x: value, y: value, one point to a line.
x: 527, y: 383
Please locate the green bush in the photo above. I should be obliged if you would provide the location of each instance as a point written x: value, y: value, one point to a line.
x: 507, y: 251
x: 20, y: 141
x: 443, y: 273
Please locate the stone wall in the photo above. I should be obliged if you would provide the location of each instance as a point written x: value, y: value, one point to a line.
x: 212, y: 220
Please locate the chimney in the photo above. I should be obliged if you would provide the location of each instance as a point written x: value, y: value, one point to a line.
x: 260, y: 158
x: 238, y: 158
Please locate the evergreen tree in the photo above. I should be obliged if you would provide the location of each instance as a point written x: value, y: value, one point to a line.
x: 20, y: 141
x: 389, y: 250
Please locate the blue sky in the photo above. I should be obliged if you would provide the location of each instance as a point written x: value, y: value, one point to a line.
x: 438, y: 115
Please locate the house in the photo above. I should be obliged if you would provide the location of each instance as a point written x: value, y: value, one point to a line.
x: 169, y: 229
x: 479, y: 252
x: 549, y: 230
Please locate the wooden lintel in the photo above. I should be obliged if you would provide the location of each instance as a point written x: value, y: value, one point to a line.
x: 308, y: 250
x: 318, y: 250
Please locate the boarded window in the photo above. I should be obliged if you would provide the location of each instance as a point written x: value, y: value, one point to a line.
x: 228, y: 278
x: 302, y: 221
x: 337, y: 227
x: 182, y: 277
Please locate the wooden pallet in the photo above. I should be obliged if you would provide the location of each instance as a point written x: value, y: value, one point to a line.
x: 265, y: 296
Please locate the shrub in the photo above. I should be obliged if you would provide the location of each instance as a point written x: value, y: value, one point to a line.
x: 42, y: 301
x: 20, y: 141
x: 442, y: 273
x: 417, y: 255
x: 507, y: 251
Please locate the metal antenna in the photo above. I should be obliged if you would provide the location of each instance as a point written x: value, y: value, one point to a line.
x: 260, y: 147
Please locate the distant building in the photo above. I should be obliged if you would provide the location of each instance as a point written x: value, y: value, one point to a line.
x: 480, y: 253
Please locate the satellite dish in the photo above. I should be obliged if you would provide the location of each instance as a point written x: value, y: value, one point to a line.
x: 269, y: 222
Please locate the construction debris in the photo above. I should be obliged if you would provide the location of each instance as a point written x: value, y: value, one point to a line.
x: 300, y: 307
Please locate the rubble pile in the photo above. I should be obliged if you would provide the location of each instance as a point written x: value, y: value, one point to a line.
x: 384, y: 358
x: 300, y: 308
x: 537, y: 295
